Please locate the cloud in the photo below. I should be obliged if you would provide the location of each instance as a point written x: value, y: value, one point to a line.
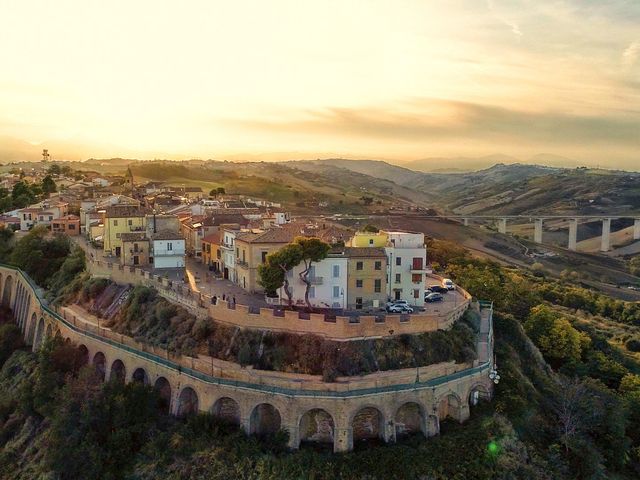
x: 429, y: 119
x: 513, y: 26
x: 631, y: 54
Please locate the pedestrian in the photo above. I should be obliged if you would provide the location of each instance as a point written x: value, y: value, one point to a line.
x: 214, y: 300
x: 234, y: 301
x: 224, y: 297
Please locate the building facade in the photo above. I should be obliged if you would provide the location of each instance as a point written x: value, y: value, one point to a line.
x: 121, y: 219
x: 328, y: 280
x: 366, y: 277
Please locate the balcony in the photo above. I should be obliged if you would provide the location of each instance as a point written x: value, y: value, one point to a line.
x: 167, y: 253
x: 314, y: 280
x: 138, y: 251
x: 242, y: 263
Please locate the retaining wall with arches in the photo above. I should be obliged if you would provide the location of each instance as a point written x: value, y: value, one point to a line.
x: 381, y: 406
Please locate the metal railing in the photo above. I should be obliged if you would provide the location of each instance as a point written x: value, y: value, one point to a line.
x: 259, y: 387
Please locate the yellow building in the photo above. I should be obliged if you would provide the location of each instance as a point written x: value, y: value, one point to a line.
x: 368, y: 239
x: 211, y: 252
x: 121, y: 219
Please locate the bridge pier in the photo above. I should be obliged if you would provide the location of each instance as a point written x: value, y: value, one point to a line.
x: 573, y: 233
x: 502, y: 225
x: 605, y: 246
x: 636, y: 228
x: 465, y: 222
x: 537, y: 230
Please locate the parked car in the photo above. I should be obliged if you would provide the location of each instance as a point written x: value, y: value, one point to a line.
x: 399, y: 308
x: 448, y: 284
x: 434, y: 297
x: 437, y: 289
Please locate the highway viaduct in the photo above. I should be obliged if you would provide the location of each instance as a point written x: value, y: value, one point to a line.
x: 538, y: 221
x: 390, y: 405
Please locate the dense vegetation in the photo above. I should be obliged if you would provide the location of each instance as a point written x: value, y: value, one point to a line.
x: 149, y: 318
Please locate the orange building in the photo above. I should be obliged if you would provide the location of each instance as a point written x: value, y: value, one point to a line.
x: 69, y: 225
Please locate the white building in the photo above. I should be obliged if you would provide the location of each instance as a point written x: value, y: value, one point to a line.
x: 28, y: 218
x: 228, y: 247
x: 407, y: 266
x: 328, y: 283
x: 168, y: 250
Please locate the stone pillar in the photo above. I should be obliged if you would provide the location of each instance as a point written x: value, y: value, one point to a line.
x: 465, y: 222
x: 636, y: 229
x: 537, y: 230
x: 573, y: 233
x: 605, y: 246
x: 502, y: 225
x: 245, y: 424
x: 433, y: 425
x: 294, y: 436
x: 342, y: 439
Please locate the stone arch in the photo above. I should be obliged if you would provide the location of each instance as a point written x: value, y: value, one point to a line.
x: 37, y: 343
x: 449, y: 406
x: 227, y: 410
x: 6, y: 291
x: 367, y: 424
x: 100, y: 364
x: 31, y: 329
x: 187, y: 402
x: 140, y: 376
x: 118, y: 371
x: 163, y: 387
x: 410, y: 420
x: 17, y: 312
x: 27, y: 303
x: 49, y: 331
x: 478, y: 393
x: 265, y: 420
x: 83, y: 354
x: 317, y: 426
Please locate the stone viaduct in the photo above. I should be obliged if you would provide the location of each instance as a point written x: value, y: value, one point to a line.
x: 381, y: 406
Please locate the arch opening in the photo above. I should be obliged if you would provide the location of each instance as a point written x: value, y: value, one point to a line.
x: 83, y: 355
x: 49, y: 331
x: 140, y: 376
x: 31, y: 329
x: 6, y: 291
x: 449, y: 407
x: 163, y: 387
x: 100, y: 364
x: 368, y: 426
x: 187, y: 403
x: 409, y: 420
x: 227, y: 411
x: 317, y: 427
x: 118, y: 372
x: 37, y: 343
x: 265, y: 420
x: 478, y: 394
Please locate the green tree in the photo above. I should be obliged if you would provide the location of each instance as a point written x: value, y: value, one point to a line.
x: 370, y: 228
x: 556, y: 338
x: 48, y: 185
x: 22, y: 195
x: 313, y: 250
x: 54, y: 169
x: 273, y: 273
x: 41, y: 257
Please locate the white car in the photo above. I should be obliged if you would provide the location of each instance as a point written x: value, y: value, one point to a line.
x: 399, y: 306
x: 448, y: 284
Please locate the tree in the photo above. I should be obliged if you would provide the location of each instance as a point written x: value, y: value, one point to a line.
x: 370, y: 228
x: 273, y: 273
x: 313, y: 250
x: 217, y: 191
x: 22, y: 195
x: 48, y: 185
x: 558, y: 341
x: 54, y: 169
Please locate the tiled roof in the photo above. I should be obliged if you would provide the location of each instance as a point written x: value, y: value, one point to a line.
x: 273, y: 235
x: 120, y: 211
x: 213, y: 238
x: 167, y: 235
x: 133, y: 237
x: 360, y: 252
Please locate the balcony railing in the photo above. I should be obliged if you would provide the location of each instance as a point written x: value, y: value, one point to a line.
x: 167, y: 253
x: 242, y: 263
x: 314, y: 280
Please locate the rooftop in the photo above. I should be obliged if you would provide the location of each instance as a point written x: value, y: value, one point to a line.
x: 133, y: 237
x: 167, y: 235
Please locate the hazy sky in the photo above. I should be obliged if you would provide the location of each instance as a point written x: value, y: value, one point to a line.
x: 393, y: 79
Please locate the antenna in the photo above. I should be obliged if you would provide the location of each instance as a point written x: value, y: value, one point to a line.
x: 45, y: 155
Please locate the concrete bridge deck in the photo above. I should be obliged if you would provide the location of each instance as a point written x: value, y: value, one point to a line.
x: 338, y: 417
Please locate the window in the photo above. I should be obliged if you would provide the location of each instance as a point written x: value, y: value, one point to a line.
x: 312, y: 292
x: 359, y: 283
x: 359, y: 265
x: 130, y: 222
x: 416, y: 278
x: 115, y: 223
x: 398, y: 278
x: 264, y: 256
x: 169, y: 246
x: 416, y: 293
x: 417, y: 263
x: 72, y: 226
x: 336, y: 271
x: 377, y: 285
x: 371, y: 241
x: 358, y: 303
x: 336, y: 291
x: 398, y: 261
x: 378, y: 265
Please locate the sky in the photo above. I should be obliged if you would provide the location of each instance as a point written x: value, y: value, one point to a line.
x: 398, y: 80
